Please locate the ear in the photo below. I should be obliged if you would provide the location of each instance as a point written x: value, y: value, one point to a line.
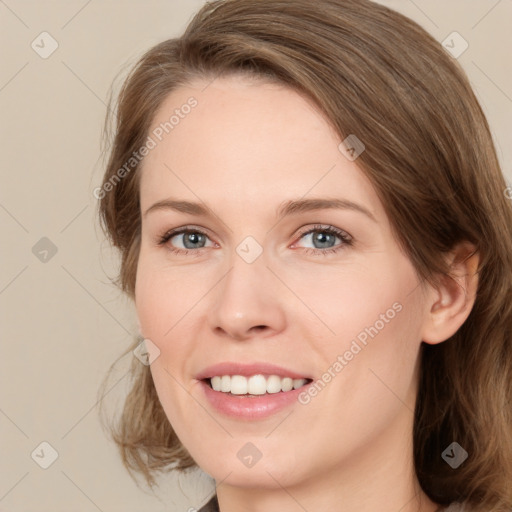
x: 449, y: 304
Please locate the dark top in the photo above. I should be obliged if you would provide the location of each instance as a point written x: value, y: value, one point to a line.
x: 211, y: 506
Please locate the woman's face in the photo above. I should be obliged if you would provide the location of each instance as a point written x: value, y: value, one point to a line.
x: 342, y: 307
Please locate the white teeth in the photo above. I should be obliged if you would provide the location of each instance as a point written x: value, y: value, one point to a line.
x: 274, y: 384
x: 297, y: 383
x: 216, y: 383
x: 287, y: 384
x: 225, y: 383
x: 238, y: 385
x: 254, y: 385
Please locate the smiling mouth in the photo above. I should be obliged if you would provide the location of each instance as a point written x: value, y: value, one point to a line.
x: 255, y: 385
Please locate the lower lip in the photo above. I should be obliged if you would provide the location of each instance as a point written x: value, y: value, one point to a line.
x: 250, y: 407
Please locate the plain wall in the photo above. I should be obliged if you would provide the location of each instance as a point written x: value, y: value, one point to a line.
x: 63, y: 323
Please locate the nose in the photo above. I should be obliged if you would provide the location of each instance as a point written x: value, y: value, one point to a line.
x: 248, y: 302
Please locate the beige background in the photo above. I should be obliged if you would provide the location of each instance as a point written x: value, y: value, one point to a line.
x: 63, y: 323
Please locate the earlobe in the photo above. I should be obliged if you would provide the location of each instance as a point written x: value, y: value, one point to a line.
x: 451, y: 302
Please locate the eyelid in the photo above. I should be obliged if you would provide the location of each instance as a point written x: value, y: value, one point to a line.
x: 171, y: 233
x: 323, y: 227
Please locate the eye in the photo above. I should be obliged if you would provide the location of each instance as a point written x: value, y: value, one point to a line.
x: 192, y: 240
x: 323, y: 237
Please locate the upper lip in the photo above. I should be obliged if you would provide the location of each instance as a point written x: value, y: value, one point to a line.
x: 248, y: 369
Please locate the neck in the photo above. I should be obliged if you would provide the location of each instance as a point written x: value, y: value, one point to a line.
x: 378, y: 476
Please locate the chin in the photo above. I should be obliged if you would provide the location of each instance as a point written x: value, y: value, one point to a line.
x: 264, y: 474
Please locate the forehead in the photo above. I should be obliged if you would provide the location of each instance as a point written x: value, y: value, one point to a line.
x: 247, y: 141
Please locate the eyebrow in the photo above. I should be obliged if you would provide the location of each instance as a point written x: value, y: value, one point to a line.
x: 291, y: 207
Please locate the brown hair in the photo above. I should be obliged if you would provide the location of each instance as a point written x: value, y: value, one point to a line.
x: 430, y: 157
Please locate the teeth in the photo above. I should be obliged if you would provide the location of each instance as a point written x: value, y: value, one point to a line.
x: 254, y: 385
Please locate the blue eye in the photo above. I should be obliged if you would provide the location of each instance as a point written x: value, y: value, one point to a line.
x: 191, y: 237
x: 323, y: 236
x: 194, y: 239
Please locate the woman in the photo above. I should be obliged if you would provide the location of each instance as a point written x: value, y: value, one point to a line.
x: 339, y: 337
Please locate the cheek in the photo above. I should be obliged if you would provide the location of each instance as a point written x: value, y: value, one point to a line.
x: 378, y: 338
x: 344, y: 303
x: 150, y: 301
x: 162, y: 297
x: 153, y: 300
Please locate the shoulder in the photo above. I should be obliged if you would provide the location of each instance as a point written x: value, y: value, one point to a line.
x: 212, y: 505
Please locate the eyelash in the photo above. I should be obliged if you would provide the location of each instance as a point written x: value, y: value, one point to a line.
x: 345, y: 239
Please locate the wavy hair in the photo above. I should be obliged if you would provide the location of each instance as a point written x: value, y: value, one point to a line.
x: 431, y: 159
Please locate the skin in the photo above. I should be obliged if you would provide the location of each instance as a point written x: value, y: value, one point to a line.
x: 244, y: 149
